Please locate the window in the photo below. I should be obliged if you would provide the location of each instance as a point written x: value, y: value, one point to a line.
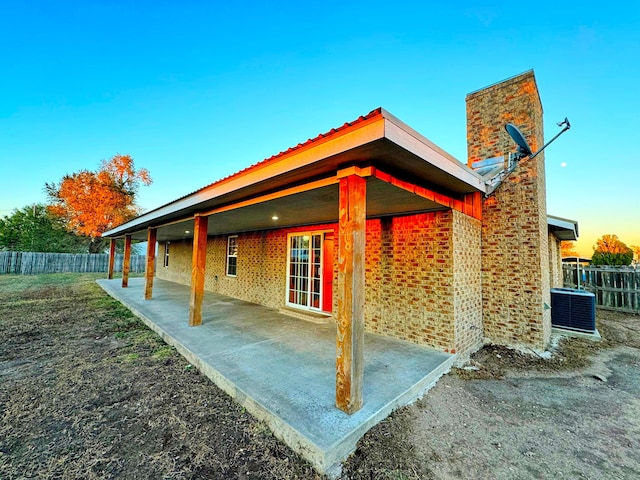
x: 232, y: 256
x: 166, y: 254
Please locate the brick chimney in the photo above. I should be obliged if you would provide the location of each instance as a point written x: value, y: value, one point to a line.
x: 515, y: 254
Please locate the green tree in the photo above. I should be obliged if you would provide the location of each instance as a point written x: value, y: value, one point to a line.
x: 610, y: 250
x: 34, y: 229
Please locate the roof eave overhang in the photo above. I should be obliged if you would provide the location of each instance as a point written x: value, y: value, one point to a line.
x: 379, y: 138
x: 563, y: 228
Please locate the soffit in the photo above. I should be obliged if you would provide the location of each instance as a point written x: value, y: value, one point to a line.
x: 563, y: 228
x: 312, y: 207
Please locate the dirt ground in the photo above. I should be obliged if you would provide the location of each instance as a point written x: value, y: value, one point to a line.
x: 87, y: 391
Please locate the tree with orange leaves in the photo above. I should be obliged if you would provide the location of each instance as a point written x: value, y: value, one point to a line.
x: 91, y: 203
x: 567, y: 249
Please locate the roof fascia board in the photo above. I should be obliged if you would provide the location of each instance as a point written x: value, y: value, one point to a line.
x: 404, y: 136
x: 563, y: 223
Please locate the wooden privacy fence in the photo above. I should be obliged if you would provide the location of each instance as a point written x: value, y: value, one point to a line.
x: 30, y: 263
x: 616, y: 288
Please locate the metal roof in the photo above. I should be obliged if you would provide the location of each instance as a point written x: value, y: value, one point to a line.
x: 378, y: 139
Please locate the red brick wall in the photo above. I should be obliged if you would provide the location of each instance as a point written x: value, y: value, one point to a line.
x: 409, y: 279
x: 467, y: 287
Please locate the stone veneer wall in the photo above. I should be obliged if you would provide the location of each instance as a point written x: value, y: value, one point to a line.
x: 411, y: 292
x: 555, y: 262
x: 515, y: 251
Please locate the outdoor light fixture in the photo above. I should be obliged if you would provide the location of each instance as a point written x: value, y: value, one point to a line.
x: 275, y: 217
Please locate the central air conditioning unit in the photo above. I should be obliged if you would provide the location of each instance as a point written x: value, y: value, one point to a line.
x: 573, y: 309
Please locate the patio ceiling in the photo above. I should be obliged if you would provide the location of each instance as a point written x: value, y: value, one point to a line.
x: 310, y: 207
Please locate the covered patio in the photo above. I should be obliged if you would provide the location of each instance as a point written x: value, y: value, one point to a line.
x: 282, y: 369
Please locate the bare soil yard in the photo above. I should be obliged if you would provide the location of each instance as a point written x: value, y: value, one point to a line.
x: 87, y: 391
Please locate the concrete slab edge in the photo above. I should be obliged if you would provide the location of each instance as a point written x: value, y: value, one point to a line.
x: 327, y: 462
x: 340, y: 450
x: 297, y: 442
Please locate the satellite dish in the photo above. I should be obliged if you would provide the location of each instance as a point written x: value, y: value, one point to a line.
x: 524, y: 150
x: 523, y: 147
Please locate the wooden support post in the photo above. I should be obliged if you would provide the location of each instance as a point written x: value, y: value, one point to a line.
x: 150, y: 265
x: 350, y: 335
x: 197, y: 270
x: 126, y: 261
x: 112, y: 257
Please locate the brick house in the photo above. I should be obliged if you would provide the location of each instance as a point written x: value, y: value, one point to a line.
x: 374, y: 227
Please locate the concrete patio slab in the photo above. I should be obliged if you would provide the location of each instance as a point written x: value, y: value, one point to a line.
x: 282, y: 369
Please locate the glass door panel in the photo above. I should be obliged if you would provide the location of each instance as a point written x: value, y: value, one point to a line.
x: 305, y: 271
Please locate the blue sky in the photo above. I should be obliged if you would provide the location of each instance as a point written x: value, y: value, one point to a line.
x: 195, y: 91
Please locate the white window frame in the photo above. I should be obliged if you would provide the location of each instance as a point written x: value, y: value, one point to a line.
x: 165, y: 261
x: 230, y: 255
x: 288, y: 303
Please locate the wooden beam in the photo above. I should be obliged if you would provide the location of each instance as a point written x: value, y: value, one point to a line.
x: 355, y: 170
x: 471, y: 204
x: 126, y: 261
x: 197, y: 270
x: 150, y: 265
x: 350, y: 329
x: 112, y: 257
x: 324, y: 182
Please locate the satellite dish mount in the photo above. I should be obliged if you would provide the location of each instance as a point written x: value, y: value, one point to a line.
x: 523, y: 146
x: 524, y: 151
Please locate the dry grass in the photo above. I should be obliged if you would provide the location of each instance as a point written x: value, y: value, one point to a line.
x: 88, y: 391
